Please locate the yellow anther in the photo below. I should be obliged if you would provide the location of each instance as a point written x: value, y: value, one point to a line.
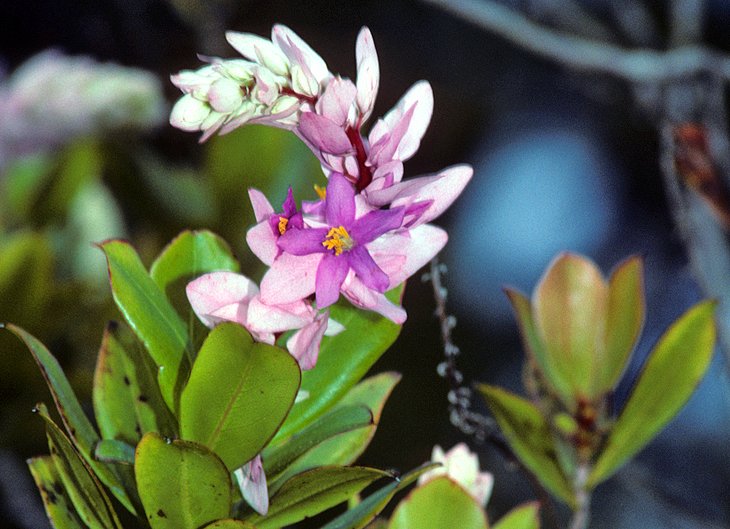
x: 338, y: 240
x: 321, y: 191
x: 283, y: 222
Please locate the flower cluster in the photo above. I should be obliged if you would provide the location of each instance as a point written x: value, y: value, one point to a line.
x: 368, y: 232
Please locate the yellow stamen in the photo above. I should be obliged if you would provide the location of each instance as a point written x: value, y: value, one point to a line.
x: 283, y: 222
x: 338, y: 240
x: 321, y: 191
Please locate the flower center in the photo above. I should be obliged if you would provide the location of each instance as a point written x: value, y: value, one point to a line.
x: 321, y: 191
x: 338, y: 240
x: 283, y: 222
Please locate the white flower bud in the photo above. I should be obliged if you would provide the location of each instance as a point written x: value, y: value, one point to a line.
x: 225, y: 95
x: 189, y: 113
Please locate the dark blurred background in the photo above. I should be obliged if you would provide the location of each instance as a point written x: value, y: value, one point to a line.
x: 563, y: 161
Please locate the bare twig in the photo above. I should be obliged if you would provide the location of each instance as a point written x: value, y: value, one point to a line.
x: 634, y: 65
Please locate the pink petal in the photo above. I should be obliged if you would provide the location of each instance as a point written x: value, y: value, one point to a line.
x: 368, y: 72
x: 418, y: 245
x: 212, y: 292
x: 324, y: 135
x: 252, y: 483
x: 337, y: 100
x: 299, y: 51
x: 262, y: 242
x: 421, y: 95
x: 304, y: 344
x: 278, y: 318
x: 262, y: 208
x: 291, y: 278
x: 440, y: 189
x: 386, y: 149
x: 361, y: 296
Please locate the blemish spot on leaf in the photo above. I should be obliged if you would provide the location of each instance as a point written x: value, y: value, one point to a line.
x: 161, y: 513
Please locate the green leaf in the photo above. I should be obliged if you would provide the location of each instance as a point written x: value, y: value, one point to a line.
x: 229, y: 523
x: 238, y: 394
x: 182, y: 485
x: 362, y: 514
x: 190, y: 255
x: 530, y: 438
x: 126, y: 397
x: 438, y: 504
x: 525, y: 516
x: 345, y: 448
x: 22, y: 182
x: 339, y: 420
x: 151, y: 316
x: 315, y: 491
x: 343, y: 360
x: 672, y: 372
x: 91, y: 502
x: 59, y: 509
x: 113, y: 451
x: 569, y: 308
x: 625, y: 318
x: 77, y: 424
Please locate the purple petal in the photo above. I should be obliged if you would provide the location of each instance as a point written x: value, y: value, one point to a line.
x: 339, y: 201
x: 303, y: 242
x: 374, y: 224
x: 366, y: 269
x: 289, y: 207
x: 331, y: 273
x: 252, y: 483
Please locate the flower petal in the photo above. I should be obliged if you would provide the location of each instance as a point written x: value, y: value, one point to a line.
x: 368, y: 72
x: 290, y: 278
x: 252, y: 483
x: 304, y: 344
x: 324, y: 134
x: 260, y: 50
x: 262, y: 208
x: 339, y: 201
x: 361, y: 296
x: 418, y: 246
x: 331, y: 273
x: 374, y: 224
x: 278, y: 318
x: 220, y: 290
x: 299, y: 52
x: 303, y: 242
x: 421, y: 95
x: 337, y: 100
x: 366, y: 269
x: 262, y: 242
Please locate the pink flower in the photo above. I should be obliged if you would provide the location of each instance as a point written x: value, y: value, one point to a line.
x: 226, y: 296
x: 341, y: 245
x: 263, y: 237
x: 252, y: 484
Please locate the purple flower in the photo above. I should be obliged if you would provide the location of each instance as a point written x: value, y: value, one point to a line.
x: 342, y: 242
x: 262, y: 238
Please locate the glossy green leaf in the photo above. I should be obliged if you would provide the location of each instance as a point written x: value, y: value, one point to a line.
x: 189, y: 255
x: 438, y: 504
x: 525, y: 516
x: 229, y: 523
x: 343, y: 360
x: 151, y: 316
x: 182, y: 485
x: 315, y: 491
x: 346, y: 448
x: 672, y: 372
x: 85, y: 492
x: 126, y: 397
x: 113, y: 451
x: 569, y: 308
x: 365, y: 511
x: 74, y: 419
x: 59, y: 509
x: 624, y: 320
x: 529, y: 435
x: 339, y: 420
x: 238, y: 394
